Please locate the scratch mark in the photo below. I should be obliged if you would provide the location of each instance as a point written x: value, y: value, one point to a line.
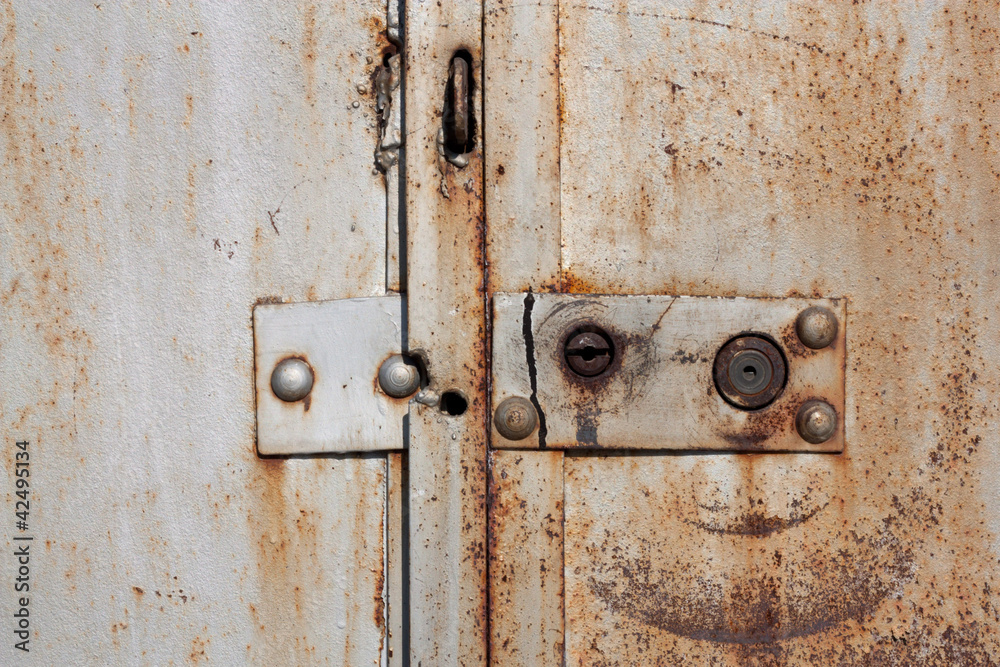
x: 656, y: 327
x: 271, y: 214
x: 692, y: 19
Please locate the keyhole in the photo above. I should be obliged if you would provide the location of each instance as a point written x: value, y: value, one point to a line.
x: 749, y: 373
x: 588, y: 353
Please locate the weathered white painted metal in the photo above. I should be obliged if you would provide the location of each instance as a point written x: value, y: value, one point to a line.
x: 521, y: 134
x: 659, y: 391
x: 526, y: 557
x: 344, y: 342
x: 164, y: 167
x: 447, y: 328
x: 775, y: 150
x: 167, y: 167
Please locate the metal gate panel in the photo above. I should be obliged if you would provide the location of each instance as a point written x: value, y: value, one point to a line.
x: 166, y: 166
x: 791, y: 150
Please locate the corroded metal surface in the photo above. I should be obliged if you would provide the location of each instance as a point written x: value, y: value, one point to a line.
x: 521, y: 131
x: 658, y: 391
x: 447, y: 329
x: 794, y: 149
x: 830, y: 151
x: 395, y: 556
x: 345, y: 342
x: 774, y: 560
x: 521, y: 189
x: 164, y: 167
x: 526, y: 558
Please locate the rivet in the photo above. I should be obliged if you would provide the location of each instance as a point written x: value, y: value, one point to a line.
x: 515, y: 418
x: 397, y: 377
x: 291, y: 380
x: 817, y: 327
x: 816, y: 421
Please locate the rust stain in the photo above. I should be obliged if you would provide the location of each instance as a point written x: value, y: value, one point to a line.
x: 308, y: 54
x: 814, y: 151
x: 573, y: 284
x: 764, y: 424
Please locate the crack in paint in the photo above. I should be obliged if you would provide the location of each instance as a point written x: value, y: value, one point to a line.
x: 529, y: 350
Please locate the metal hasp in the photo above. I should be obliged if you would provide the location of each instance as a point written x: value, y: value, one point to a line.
x: 687, y: 373
x: 317, y: 371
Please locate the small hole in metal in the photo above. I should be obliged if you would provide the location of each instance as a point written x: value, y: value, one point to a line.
x: 453, y: 403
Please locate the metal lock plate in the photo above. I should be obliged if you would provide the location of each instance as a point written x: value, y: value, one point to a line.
x: 344, y: 343
x: 655, y: 385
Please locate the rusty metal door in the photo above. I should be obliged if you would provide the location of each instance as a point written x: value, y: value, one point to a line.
x: 167, y: 166
x: 564, y: 215
x: 783, y: 151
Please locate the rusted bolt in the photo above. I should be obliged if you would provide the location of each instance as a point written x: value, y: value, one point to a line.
x: 398, y: 377
x: 750, y: 371
x: 816, y: 421
x: 291, y: 380
x: 515, y: 418
x: 589, y: 353
x: 816, y: 326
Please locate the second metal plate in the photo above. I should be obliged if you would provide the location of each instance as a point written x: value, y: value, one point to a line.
x: 659, y: 392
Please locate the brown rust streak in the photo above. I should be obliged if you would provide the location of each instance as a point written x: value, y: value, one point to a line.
x: 293, y: 529
x: 573, y: 284
x: 762, y: 425
x: 447, y: 329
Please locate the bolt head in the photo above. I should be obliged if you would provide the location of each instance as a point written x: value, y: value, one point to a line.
x: 816, y: 421
x: 397, y: 377
x: 291, y: 380
x: 817, y: 327
x: 515, y: 418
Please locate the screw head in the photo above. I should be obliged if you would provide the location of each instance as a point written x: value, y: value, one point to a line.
x: 589, y: 353
x: 749, y: 372
x: 817, y: 327
x: 515, y: 418
x: 398, y: 377
x: 291, y: 379
x: 816, y: 421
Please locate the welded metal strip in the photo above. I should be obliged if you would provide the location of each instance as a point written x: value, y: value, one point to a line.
x: 658, y: 391
x: 521, y: 131
x: 521, y: 128
x: 446, y: 325
x: 526, y: 559
x: 344, y: 342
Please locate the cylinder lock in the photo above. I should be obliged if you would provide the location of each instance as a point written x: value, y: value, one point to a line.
x: 750, y: 371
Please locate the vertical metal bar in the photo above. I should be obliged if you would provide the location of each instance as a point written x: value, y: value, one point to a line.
x: 447, y: 329
x: 526, y: 559
x: 521, y: 130
x: 521, y: 125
